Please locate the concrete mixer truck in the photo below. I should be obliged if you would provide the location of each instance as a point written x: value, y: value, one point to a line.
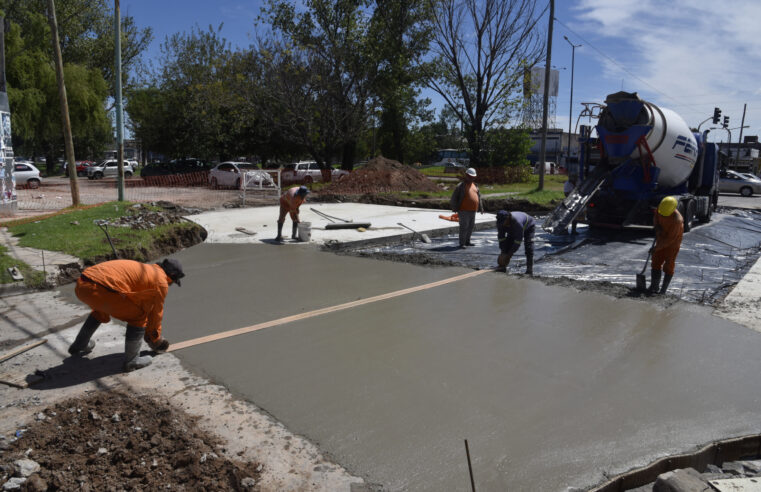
x: 642, y: 153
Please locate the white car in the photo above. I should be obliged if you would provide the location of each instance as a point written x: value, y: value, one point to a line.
x: 26, y: 174
x: 308, y: 172
x: 110, y: 169
x: 237, y: 174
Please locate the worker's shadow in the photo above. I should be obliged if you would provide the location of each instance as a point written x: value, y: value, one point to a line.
x: 78, y: 370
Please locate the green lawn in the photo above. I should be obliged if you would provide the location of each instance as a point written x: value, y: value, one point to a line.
x: 76, y: 234
x: 32, y: 278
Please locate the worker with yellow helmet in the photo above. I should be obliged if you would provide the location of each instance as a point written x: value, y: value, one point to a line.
x: 669, y: 227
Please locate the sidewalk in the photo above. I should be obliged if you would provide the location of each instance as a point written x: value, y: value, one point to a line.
x: 742, y: 304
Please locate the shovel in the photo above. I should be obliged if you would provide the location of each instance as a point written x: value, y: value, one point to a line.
x: 423, y: 237
x: 641, y: 280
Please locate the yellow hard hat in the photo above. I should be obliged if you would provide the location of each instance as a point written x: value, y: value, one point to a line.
x: 667, y: 206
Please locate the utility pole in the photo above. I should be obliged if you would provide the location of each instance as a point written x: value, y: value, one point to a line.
x: 545, y: 102
x: 740, y: 138
x: 67, y: 139
x: 570, y: 105
x: 118, y: 98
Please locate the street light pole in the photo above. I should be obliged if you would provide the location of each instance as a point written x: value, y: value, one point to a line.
x: 570, y: 105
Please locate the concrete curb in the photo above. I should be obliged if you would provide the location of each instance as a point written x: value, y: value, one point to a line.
x: 398, y: 238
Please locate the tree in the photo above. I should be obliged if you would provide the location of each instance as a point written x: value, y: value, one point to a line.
x: 507, y: 147
x: 401, y: 32
x: 325, y: 48
x: 481, y: 49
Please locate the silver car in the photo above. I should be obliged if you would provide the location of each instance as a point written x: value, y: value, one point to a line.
x: 110, y: 168
x: 734, y: 182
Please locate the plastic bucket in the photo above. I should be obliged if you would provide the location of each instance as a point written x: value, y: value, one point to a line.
x: 305, y: 231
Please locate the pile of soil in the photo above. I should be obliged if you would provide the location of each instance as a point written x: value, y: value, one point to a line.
x: 381, y: 175
x: 112, y: 441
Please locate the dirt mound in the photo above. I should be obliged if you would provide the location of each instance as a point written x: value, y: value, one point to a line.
x: 111, y: 441
x: 381, y: 175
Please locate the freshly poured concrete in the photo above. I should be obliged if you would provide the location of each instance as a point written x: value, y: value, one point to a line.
x: 221, y: 224
x: 552, y: 387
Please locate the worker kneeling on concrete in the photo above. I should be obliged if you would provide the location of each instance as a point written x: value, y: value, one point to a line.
x: 669, y: 227
x: 512, y: 228
x: 133, y: 292
x: 290, y: 201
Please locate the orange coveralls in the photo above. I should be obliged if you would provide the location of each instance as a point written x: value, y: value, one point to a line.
x: 127, y: 290
x: 668, y: 233
x: 290, y: 203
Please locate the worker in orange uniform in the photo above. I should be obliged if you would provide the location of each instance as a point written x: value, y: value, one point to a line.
x: 669, y: 227
x: 466, y: 201
x: 290, y: 201
x: 130, y: 291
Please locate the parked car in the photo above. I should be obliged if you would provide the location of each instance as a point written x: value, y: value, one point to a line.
x: 81, y: 168
x: 734, y: 182
x: 180, y: 166
x: 549, y: 168
x: 110, y: 168
x: 453, y: 167
x: 308, y: 172
x: 236, y: 174
x: 27, y: 174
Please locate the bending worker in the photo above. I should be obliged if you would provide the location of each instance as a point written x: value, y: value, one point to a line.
x: 130, y: 291
x: 669, y: 227
x: 512, y: 228
x: 290, y: 201
x: 466, y: 201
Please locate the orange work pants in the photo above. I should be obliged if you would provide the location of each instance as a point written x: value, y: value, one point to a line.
x: 106, y: 303
x: 665, y: 259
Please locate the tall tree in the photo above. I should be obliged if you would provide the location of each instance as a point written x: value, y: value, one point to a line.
x: 401, y: 31
x: 482, y: 48
x: 327, y: 45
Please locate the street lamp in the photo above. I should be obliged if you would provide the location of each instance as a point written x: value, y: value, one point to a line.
x: 570, y: 109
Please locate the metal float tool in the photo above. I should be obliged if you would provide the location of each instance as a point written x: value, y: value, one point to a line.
x: 641, y: 280
x: 346, y: 224
x: 423, y: 237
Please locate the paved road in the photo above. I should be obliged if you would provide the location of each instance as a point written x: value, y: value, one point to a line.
x: 737, y: 201
x: 552, y: 387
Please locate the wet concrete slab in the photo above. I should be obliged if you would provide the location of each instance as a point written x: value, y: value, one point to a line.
x: 552, y: 387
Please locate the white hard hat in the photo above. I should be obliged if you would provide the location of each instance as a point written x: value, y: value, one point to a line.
x: 471, y: 172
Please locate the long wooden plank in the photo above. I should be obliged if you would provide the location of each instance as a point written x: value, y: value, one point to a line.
x: 319, y: 312
x: 22, y: 349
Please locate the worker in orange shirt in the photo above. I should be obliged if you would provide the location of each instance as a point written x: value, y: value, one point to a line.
x: 669, y: 227
x: 466, y: 201
x: 290, y: 201
x: 130, y: 291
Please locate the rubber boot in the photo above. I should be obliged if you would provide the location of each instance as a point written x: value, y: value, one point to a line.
x: 132, y: 342
x: 82, y: 344
x: 279, y: 231
x: 294, y: 231
x: 666, y: 282
x: 655, y: 282
x: 161, y: 346
x: 530, y: 265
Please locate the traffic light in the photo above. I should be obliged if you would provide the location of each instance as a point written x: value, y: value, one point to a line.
x: 716, y: 115
x: 726, y: 122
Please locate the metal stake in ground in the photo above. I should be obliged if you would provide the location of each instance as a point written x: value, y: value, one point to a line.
x: 641, y: 280
x: 470, y: 467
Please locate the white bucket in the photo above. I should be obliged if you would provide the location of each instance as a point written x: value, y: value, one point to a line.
x: 305, y: 231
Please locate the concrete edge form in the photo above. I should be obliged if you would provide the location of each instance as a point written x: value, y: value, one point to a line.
x: 398, y: 238
x: 716, y: 453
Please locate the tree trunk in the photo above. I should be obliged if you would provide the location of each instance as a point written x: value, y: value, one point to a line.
x: 50, y: 162
x: 349, y: 152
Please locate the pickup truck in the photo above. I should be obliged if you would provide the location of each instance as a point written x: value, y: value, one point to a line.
x: 110, y: 168
x: 307, y: 172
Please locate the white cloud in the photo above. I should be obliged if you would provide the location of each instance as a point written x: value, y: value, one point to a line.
x: 692, y: 54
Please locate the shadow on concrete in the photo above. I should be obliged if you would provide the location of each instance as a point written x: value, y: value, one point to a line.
x: 79, y: 370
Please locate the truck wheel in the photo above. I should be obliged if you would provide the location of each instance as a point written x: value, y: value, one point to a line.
x: 746, y: 191
x: 707, y: 217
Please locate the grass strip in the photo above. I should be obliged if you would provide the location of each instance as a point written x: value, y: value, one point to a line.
x: 32, y: 277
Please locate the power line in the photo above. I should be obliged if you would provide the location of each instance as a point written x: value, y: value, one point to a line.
x: 623, y: 68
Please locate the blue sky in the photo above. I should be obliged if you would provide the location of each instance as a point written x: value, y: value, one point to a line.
x: 686, y: 55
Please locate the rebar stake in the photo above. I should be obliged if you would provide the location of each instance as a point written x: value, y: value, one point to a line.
x: 470, y: 467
